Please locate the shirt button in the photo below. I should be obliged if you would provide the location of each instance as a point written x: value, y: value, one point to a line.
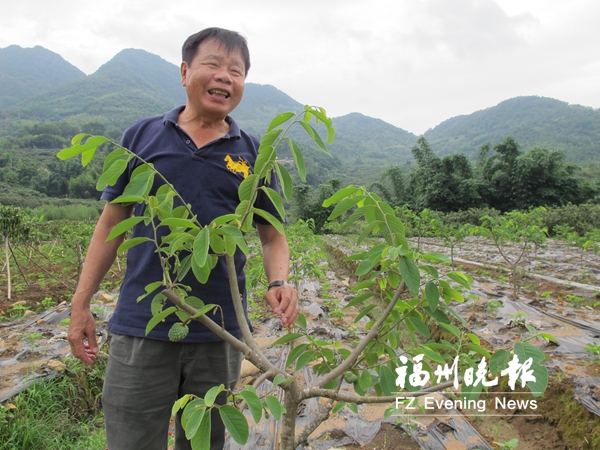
x: 188, y: 141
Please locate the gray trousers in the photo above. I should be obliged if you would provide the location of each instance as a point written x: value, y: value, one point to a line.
x: 144, y: 377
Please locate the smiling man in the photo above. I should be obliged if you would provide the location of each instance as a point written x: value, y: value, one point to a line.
x: 202, y: 151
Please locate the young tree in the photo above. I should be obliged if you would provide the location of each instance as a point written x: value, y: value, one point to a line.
x: 409, y: 292
x: 512, y: 234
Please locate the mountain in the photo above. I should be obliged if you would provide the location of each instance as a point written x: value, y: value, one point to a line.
x: 135, y: 84
x: 27, y: 72
x: 132, y: 85
x: 531, y: 121
x: 360, y: 136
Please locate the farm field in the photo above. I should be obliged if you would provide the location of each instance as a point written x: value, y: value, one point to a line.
x: 557, y: 293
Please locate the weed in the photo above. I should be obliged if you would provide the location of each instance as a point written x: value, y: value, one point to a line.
x: 518, y: 319
x: 48, y: 302
x: 31, y: 339
x: 503, y: 278
x: 17, y: 310
x: 546, y: 294
x: 508, y: 445
x: 54, y: 415
x: 336, y: 313
x: 493, y: 306
x: 593, y: 349
x: 575, y: 300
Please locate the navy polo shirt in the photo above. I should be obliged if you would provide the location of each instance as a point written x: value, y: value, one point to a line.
x: 207, y: 178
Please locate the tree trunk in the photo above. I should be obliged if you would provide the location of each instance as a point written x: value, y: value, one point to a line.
x: 288, y: 422
x: 7, y: 254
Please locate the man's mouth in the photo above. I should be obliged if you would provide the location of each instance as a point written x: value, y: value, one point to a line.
x: 218, y: 92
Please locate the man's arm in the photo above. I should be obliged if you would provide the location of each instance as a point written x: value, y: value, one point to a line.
x: 99, y: 259
x: 276, y: 260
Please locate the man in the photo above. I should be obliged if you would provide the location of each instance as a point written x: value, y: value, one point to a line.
x: 193, y: 146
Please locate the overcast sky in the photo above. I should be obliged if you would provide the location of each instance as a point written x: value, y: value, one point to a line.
x: 412, y: 63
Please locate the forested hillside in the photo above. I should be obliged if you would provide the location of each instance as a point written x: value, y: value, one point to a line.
x: 27, y: 72
x: 531, y: 121
x: 37, y: 121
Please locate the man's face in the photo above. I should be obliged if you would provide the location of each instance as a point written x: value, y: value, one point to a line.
x: 214, y: 80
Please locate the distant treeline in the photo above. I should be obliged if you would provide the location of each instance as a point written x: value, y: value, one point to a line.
x: 502, y: 179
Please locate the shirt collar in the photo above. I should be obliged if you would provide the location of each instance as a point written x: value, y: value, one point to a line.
x: 234, y: 129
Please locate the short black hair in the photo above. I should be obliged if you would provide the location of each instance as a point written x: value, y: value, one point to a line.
x: 231, y: 39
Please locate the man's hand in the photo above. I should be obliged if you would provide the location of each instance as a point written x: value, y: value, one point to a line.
x: 82, y: 335
x: 284, y: 302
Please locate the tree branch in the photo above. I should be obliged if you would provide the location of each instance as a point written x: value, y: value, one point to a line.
x: 258, y: 359
x: 349, y: 362
x: 352, y: 398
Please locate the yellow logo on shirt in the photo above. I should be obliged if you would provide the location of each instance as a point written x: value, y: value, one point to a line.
x: 240, y: 166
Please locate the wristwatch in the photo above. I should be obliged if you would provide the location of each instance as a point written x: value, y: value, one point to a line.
x: 276, y: 283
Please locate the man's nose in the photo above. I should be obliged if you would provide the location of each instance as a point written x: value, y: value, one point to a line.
x: 224, y: 77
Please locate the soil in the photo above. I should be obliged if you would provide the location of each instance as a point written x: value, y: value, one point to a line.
x: 558, y: 293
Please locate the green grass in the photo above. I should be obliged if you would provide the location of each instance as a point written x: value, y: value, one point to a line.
x: 59, y: 414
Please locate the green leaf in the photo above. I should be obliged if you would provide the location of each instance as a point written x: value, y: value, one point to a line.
x: 524, y: 350
x: 211, y: 395
x: 287, y: 338
x: 110, y: 176
x: 298, y: 159
x: 410, y: 274
x: 387, y: 380
x: 279, y: 119
x: 203, y: 310
x: 254, y: 404
x: 371, y: 259
x: 285, y: 180
x: 478, y: 349
x: 305, y: 358
x: 295, y: 353
x: 235, y: 422
x: 450, y: 328
x: 359, y: 299
x: 139, y: 186
x: 432, y: 271
x: 344, y: 206
x: 418, y: 325
x: 365, y: 379
x: 461, y: 278
x: 474, y: 338
x: 276, y: 200
x: 499, y: 361
x: 449, y: 293
x: 269, y: 218
x: 201, y: 245
x: 192, y: 417
x: 342, y: 193
x: 278, y: 379
x: 364, y: 312
x: 338, y: 407
x: 248, y: 187
x: 367, y: 230
x: 301, y: 321
x: 131, y: 243
x: 157, y: 304
x: 176, y: 222
x: 180, y: 403
x: 274, y: 406
x: 149, y: 289
x: 432, y: 294
x: 201, y: 272
x: 200, y: 440
x: 159, y: 318
x: 124, y: 226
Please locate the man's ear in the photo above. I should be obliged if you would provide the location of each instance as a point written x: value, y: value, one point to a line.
x: 184, y: 69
